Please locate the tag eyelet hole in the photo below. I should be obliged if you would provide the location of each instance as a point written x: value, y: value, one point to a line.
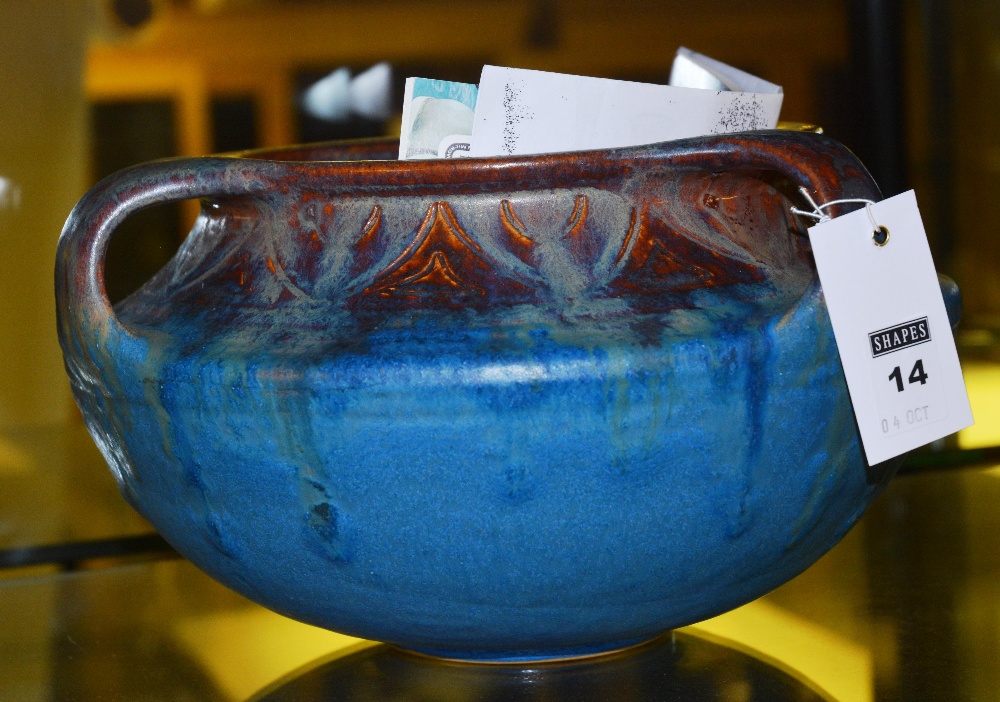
x: 880, y: 236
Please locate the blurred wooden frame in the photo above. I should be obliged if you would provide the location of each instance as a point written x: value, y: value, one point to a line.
x: 190, y: 88
x: 256, y: 49
x: 108, y: 79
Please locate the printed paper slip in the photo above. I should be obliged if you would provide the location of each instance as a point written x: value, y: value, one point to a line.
x: 693, y: 70
x: 522, y: 111
x: 437, y: 119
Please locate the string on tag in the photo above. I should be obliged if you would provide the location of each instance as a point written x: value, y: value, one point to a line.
x: 880, y: 234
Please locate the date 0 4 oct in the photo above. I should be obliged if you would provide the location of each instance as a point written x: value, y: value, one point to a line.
x: 913, y: 416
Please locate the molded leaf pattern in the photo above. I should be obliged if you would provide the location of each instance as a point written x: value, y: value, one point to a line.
x: 555, y: 246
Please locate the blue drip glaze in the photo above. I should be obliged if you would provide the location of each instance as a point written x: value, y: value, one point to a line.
x: 542, y: 458
x: 596, y: 453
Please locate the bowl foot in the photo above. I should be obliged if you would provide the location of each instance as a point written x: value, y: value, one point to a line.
x: 551, y: 655
x: 674, y: 666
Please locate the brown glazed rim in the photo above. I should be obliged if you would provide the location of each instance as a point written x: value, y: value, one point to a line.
x: 813, y: 161
x: 369, y: 166
x: 386, y: 148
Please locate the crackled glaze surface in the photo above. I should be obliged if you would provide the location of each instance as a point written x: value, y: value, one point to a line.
x: 490, y: 409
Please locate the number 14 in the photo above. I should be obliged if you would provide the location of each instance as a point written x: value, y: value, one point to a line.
x: 917, y: 375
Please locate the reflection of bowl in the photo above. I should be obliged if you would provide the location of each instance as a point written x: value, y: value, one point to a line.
x: 676, y: 666
x: 488, y: 408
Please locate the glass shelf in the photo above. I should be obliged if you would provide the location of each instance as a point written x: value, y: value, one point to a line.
x: 907, y: 607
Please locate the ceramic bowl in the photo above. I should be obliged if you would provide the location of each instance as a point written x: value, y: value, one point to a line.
x: 494, y: 409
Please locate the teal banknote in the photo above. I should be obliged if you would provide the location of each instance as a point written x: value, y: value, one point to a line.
x: 437, y: 119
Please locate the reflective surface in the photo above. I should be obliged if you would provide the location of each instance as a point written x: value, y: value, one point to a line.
x: 55, y: 488
x: 674, y: 666
x: 907, y: 607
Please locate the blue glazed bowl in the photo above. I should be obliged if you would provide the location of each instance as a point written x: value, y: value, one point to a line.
x: 488, y: 409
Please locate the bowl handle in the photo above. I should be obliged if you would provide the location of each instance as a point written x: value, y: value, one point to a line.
x: 816, y: 162
x: 82, y: 305
x: 822, y: 165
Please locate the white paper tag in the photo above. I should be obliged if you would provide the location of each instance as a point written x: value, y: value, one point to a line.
x: 892, y: 330
x: 693, y: 70
x: 520, y: 111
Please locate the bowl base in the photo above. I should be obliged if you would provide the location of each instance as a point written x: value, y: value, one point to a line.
x: 674, y: 666
x: 552, y: 655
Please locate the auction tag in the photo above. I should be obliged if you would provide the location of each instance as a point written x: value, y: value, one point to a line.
x: 891, y: 327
